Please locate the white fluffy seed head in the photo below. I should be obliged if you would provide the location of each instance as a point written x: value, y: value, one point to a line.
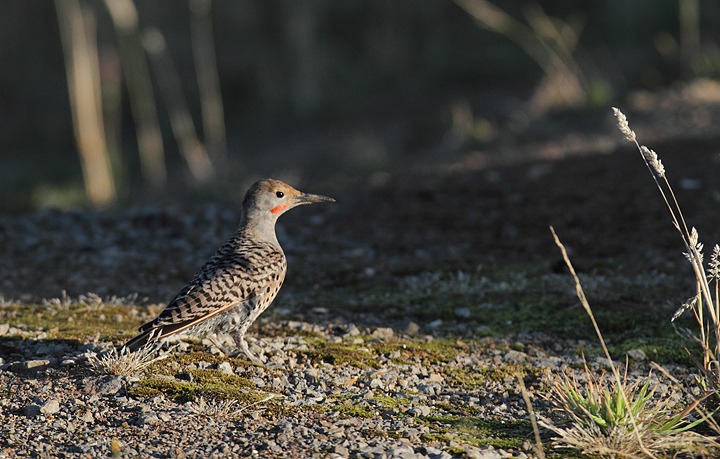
x: 623, y: 125
x: 694, y: 237
x: 652, y: 159
x: 714, y: 266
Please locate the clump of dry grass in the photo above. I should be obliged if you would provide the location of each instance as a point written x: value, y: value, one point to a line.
x: 124, y: 362
x: 617, y: 419
x: 224, y: 410
x: 601, y: 420
x: 622, y: 442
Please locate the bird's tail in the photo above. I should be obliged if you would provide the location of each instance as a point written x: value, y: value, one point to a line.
x: 140, y: 340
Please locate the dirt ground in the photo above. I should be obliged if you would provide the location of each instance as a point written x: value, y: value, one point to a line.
x: 490, y: 209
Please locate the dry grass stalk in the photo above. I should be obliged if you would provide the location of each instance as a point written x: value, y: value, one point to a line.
x: 124, y: 362
x: 549, y: 41
x: 581, y: 295
x: 538, y: 446
x: 709, y: 327
x: 211, y: 105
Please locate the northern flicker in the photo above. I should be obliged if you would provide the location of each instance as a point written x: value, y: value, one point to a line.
x: 241, y: 280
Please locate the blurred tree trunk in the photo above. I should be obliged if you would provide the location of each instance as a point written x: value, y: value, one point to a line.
x: 211, y: 104
x: 302, y: 24
x: 690, y: 48
x: 183, y: 127
x: 142, y: 102
x: 78, y: 33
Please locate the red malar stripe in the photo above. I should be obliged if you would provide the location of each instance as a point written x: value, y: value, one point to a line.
x: 280, y: 208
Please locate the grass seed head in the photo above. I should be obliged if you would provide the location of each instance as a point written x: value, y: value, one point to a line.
x: 687, y: 305
x: 714, y: 265
x: 652, y: 159
x: 624, y: 126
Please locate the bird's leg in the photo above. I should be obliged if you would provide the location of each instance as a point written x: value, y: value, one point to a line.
x: 242, y: 345
x: 217, y: 344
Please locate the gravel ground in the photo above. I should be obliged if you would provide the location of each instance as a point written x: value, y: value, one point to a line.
x: 54, y: 406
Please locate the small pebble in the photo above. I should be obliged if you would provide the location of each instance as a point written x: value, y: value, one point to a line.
x: 147, y: 418
x: 412, y: 329
x: 420, y: 410
x: 31, y: 410
x: 636, y: 354
x: 87, y: 417
x: 514, y: 356
x: 105, y: 385
x: 226, y: 368
x: 351, y: 330
x: 30, y: 366
x: 383, y: 333
x: 52, y: 406
x: 435, y: 323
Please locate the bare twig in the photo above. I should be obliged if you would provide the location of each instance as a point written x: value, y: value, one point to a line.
x: 538, y: 447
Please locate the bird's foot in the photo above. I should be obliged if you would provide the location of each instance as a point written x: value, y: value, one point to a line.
x: 254, y: 359
x: 243, y: 346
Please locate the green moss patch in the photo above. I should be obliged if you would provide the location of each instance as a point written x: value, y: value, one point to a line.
x: 183, y: 383
x: 436, y: 438
x: 179, y: 361
x: 468, y: 379
x: 521, y: 298
x: 210, y: 385
x: 341, y: 354
x: 661, y: 350
x: 356, y: 411
x: 390, y: 401
x: 78, y: 321
x: 526, y: 298
x: 458, y: 410
x: 482, y: 432
x: 174, y: 390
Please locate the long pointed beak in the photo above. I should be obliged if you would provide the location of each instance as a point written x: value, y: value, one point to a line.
x: 310, y: 198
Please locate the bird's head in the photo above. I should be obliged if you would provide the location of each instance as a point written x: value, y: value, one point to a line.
x: 268, y: 199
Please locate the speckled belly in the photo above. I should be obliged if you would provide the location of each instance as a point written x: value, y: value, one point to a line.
x: 230, y: 321
x: 237, y: 319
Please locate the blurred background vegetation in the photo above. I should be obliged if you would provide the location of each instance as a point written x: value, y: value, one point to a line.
x: 115, y: 102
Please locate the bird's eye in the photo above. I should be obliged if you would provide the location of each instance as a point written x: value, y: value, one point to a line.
x: 279, y: 194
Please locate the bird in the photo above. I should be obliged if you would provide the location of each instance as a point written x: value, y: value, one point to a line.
x: 240, y: 281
